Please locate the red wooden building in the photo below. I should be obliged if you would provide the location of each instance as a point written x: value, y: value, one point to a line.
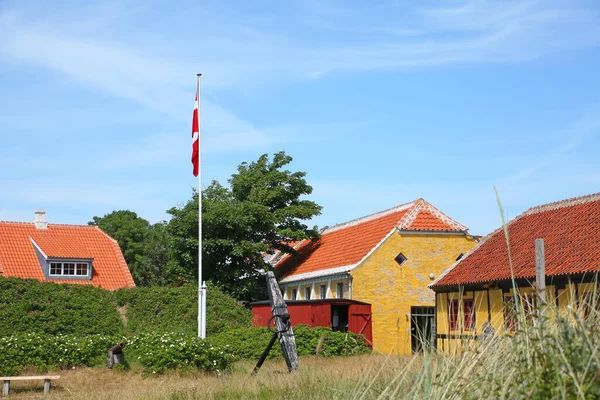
x: 337, y: 314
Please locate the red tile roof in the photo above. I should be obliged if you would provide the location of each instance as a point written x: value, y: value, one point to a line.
x: 18, y: 257
x: 571, y: 233
x: 349, y: 243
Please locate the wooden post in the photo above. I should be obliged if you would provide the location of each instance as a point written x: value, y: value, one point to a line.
x: 282, y: 323
x: 115, y: 355
x: 540, y: 274
x: 264, y: 355
x: 46, y: 385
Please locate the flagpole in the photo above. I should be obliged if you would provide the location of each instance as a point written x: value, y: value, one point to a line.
x: 201, y: 284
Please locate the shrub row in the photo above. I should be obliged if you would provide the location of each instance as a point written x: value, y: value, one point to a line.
x: 30, y: 306
x: 158, y: 352
x: 250, y: 343
x: 155, y: 352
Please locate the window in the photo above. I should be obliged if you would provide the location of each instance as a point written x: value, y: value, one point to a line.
x: 590, y: 304
x: 459, y: 256
x: 400, y: 259
x: 340, y: 290
x: 323, y: 291
x: 469, y: 314
x: 294, y: 294
x: 510, y: 320
x: 453, y: 314
x: 78, y: 269
x: 82, y: 269
x: 307, y: 293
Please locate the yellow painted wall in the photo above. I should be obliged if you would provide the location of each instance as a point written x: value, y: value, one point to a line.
x: 392, y: 289
x: 452, y: 341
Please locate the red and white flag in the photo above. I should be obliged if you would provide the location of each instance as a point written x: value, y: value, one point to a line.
x: 196, y: 137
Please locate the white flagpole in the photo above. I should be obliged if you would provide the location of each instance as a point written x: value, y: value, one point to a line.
x: 201, y: 284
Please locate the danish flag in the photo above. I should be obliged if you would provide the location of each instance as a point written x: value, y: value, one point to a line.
x: 196, y: 137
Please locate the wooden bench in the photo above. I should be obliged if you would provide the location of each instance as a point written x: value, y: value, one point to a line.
x: 7, y: 379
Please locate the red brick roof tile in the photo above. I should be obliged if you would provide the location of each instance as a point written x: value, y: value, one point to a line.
x: 571, y: 233
x: 18, y: 257
x: 347, y: 244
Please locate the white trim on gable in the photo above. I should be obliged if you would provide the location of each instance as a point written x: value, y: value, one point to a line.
x: 317, y: 274
x: 368, y: 218
x: 38, y: 248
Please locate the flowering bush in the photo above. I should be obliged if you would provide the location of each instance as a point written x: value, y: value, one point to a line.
x: 45, y: 351
x: 250, y: 343
x: 155, y: 352
x: 159, y: 352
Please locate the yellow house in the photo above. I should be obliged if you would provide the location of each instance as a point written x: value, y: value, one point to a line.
x: 475, y: 296
x: 386, y: 259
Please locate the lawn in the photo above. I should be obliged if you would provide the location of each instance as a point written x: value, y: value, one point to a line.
x: 338, y: 377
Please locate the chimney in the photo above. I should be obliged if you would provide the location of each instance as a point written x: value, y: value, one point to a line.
x: 40, y: 219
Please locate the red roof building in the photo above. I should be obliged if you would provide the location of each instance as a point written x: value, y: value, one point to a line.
x: 78, y: 254
x: 385, y: 260
x: 571, y: 232
x: 342, y: 247
x: 476, y: 293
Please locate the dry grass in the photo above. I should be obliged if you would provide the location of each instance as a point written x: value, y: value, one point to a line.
x: 338, y: 377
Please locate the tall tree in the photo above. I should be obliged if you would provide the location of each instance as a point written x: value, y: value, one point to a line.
x: 261, y: 211
x: 144, y: 246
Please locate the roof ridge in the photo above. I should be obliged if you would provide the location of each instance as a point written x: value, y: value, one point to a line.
x: 573, y: 201
x: 424, y: 205
x: 367, y: 218
x: 410, y: 217
x: 49, y: 224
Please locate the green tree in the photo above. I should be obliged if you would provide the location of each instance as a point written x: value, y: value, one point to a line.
x: 261, y: 211
x: 144, y: 246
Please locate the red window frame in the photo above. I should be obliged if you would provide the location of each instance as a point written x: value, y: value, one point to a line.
x: 469, y: 314
x: 453, y: 314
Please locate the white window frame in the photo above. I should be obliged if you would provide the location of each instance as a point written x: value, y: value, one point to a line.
x: 76, y: 264
x: 323, y: 291
x: 338, y: 293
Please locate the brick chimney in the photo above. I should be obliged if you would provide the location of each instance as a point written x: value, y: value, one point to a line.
x: 40, y: 219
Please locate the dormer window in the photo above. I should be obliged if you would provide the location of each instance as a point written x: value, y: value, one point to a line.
x: 69, y: 269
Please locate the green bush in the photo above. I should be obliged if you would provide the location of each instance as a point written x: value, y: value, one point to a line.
x: 159, y: 352
x: 30, y: 306
x: 175, y: 309
x: 46, y: 351
x: 155, y: 352
x: 250, y: 343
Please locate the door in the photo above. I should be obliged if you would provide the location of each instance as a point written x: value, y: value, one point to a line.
x: 360, y: 321
x: 421, y: 328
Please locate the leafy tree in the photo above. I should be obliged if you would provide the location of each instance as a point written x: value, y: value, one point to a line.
x: 261, y: 211
x: 144, y: 246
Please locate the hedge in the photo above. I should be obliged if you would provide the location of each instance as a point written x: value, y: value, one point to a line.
x: 175, y: 309
x: 30, y: 306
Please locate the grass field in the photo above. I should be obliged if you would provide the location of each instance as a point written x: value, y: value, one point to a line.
x: 318, y: 378
x: 557, y: 358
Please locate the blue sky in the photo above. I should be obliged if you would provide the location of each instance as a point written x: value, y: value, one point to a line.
x: 379, y: 102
